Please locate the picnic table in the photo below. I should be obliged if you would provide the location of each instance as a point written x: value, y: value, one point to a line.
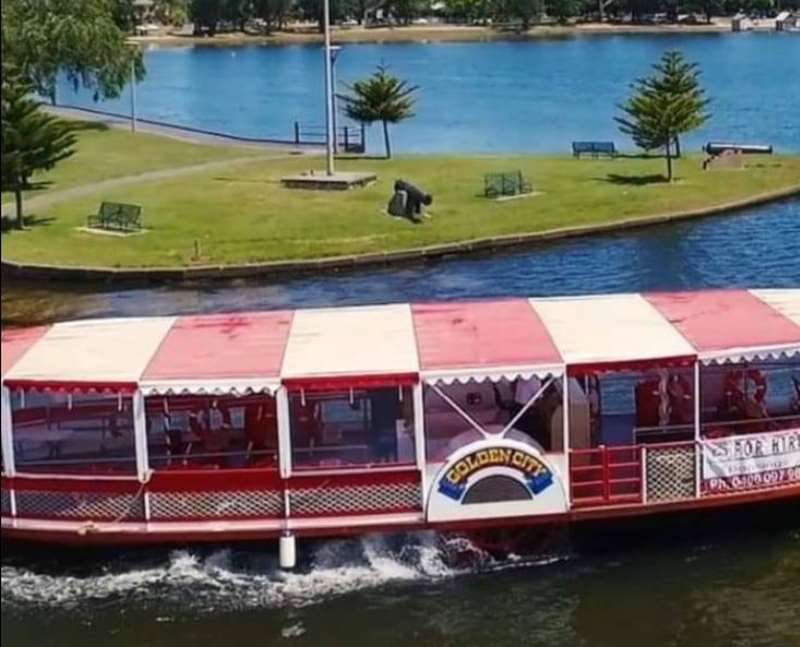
x: 117, y: 216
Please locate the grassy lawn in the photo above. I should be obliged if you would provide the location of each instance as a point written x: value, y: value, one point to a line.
x: 243, y: 214
x: 103, y: 153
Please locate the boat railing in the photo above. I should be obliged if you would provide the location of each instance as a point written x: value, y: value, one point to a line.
x: 606, y: 475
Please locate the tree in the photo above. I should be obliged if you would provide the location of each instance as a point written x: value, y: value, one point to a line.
x: 380, y: 97
x: 77, y: 38
x: 563, y: 10
x: 31, y: 139
x: 660, y: 110
x: 205, y: 14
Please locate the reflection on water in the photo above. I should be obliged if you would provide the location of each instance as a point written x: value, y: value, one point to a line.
x: 756, y: 248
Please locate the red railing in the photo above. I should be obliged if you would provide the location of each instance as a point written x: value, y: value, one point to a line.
x: 606, y: 475
x: 191, y: 494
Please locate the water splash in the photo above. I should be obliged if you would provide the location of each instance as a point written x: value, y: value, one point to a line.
x: 235, y: 578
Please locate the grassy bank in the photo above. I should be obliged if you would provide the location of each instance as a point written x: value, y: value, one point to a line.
x: 104, y: 153
x: 243, y: 214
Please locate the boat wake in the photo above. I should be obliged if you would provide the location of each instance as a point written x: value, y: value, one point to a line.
x: 236, y: 578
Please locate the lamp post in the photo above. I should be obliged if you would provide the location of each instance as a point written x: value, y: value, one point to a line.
x: 133, y: 95
x: 335, y: 49
x: 135, y: 48
x: 329, y: 134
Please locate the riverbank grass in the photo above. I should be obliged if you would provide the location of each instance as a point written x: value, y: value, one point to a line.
x: 104, y: 153
x: 243, y: 214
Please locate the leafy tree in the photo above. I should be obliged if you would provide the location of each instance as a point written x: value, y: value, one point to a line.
x: 272, y: 12
x: 563, y: 10
x: 32, y: 140
x: 206, y: 14
x: 380, y: 97
x: 675, y: 76
x: 78, y: 38
x: 660, y: 110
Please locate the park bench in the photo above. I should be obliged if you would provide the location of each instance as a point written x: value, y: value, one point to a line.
x: 595, y: 149
x: 496, y: 185
x: 117, y: 216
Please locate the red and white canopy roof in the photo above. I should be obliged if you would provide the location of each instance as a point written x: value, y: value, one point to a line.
x: 400, y: 344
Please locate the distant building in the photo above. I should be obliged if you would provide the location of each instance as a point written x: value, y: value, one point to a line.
x: 787, y: 21
x: 741, y: 22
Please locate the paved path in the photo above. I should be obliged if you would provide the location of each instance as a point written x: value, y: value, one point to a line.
x: 34, y: 203
x: 175, y: 133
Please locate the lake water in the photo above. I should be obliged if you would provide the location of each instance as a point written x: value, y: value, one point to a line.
x: 482, y: 97
x: 739, y: 587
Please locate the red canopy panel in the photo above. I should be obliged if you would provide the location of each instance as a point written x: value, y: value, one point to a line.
x: 15, y: 344
x: 718, y: 320
x: 481, y: 334
x: 222, y: 346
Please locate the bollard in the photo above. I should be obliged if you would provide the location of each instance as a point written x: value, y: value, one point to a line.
x: 287, y: 551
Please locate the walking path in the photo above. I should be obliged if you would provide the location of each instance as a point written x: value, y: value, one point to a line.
x: 191, y: 136
x: 47, y: 200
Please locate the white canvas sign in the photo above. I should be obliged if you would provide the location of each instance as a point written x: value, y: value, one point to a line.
x: 752, y: 461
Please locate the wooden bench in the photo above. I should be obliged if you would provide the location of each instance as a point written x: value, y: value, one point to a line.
x: 595, y: 149
x: 117, y: 216
x: 496, y: 185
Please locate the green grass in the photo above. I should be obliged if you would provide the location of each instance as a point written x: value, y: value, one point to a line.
x: 103, y: 153
x: 243, y: 214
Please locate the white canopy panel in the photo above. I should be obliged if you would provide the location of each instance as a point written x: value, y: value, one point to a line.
x: 100, y: 351
x: 609, y: 329
x: 351, y: 341
x: 787, y: 302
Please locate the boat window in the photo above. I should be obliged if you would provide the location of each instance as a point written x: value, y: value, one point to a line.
x: 359, y: 427
x: 200, y: 432
x: 491, y: 405
x: 750, y: 398
x: 77, y: 433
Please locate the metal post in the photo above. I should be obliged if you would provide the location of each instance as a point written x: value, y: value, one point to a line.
x: 6, y: 430
x: 329, y: 134
x: 284, y: 432
x: 296, y: 132
x: 140, y: 437
x: 334, y: 53
x: 133, y: 95
x: 567, y: 476
x: 419, y: 439
x: 698, y: 433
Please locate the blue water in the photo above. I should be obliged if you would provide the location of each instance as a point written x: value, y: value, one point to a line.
x: 477, y: 97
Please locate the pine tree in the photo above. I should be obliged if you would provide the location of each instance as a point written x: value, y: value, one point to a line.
x: 664, y: 106
x: 32, y: 140
x: 381, y: 97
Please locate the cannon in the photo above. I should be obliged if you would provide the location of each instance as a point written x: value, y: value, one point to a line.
x: 408, y: 200
x: 716, y: 148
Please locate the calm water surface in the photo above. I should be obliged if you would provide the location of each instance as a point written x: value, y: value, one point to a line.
x: 736, y: 589
x: 499, y: 96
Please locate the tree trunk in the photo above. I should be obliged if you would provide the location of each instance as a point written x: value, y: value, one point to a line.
x: 386, y: 140
x: 18, y: 201
x: 602, y: 6
x: 677, y: 147
x: 668, y: 151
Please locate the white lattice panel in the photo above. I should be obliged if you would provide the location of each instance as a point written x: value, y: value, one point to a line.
x: 670, y: 473
x: 79, y: 505
x: 355, y: 499
x: 211, y: 505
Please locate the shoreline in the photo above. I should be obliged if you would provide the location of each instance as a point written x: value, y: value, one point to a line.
x: 109, y: 275
x: 442, y: 33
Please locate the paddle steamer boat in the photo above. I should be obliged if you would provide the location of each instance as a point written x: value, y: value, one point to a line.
x: 444, y: 416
